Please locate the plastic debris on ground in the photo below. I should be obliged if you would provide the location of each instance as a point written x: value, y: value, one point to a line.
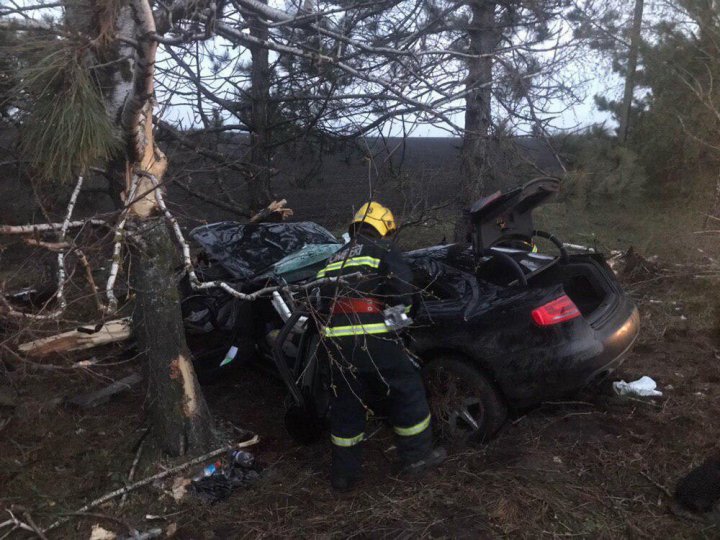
x: 643, y: 387
x: 217, y: 482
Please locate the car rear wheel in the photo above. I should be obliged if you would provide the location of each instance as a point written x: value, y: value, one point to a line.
x: 466, y: 407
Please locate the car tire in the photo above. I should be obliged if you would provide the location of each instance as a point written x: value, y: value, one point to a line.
x: 467, y: 409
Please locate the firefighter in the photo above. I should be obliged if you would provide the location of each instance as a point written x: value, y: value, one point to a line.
x: 367, y: 355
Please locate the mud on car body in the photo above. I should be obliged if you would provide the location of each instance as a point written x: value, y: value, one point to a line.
x: 497, y: 324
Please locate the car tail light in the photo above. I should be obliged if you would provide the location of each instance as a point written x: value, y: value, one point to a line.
x: 555, y: 312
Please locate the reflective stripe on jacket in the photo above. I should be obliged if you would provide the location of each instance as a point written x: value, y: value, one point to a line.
x: 384, y: 277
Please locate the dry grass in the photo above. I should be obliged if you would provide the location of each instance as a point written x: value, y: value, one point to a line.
x: 597, y: 467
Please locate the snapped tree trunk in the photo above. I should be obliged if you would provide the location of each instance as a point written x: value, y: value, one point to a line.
x: 476, y: 174
x: 180, y: 417
x: 181, y: 420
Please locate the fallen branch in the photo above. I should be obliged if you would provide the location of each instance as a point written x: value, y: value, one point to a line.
x: 275, y: 207
x: 51, y: 246
x: 134, y: 465
x: 79, y: 339
x: 93, y: 399
x: 12, y: 312
x: 17, y: 524
x: 91, y: 280
x: 151, y: 479
x: 117, y: 250
x: 32, y: 524
x: 49, y: 227
x: 61, y: 239
x: 36, y: 365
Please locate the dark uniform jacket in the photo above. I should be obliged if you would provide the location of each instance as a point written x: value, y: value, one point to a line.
x: 385, y: 280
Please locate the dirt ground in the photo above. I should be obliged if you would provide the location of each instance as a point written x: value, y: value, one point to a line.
x: 595, y: 467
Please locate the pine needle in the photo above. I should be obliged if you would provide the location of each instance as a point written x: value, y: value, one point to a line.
x: 68, y: 128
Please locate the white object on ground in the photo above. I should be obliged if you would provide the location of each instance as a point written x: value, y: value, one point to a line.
x: 643, y: 387
x: 229, y: 356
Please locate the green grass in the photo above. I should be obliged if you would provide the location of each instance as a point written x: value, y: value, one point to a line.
x: 666, y: 228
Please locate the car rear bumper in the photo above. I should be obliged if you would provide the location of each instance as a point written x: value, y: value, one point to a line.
x: 579, y: 355
x: 617, y: 342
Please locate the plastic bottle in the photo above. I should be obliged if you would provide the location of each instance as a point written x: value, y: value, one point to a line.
x: 209, y: 470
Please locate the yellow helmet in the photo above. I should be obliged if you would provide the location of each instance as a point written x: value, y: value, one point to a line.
x: 377, y: 216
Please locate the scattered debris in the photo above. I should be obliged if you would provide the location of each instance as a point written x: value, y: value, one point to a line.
x: 643, y: 387
x: 93, y: 399
x: 240, y: 471
x: 169, y: 472
x: 179, y: 488
x: 699, y: 490
x: 171, y: 530
x: 99, y: 533
x: 79, y: 339
x: 579, y: 247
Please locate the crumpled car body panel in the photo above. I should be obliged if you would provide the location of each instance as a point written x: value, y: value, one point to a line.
x: 247, y: 250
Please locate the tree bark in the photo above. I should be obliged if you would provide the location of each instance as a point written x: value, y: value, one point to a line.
x: 260, y: 137
x: 180, y: 417
x: 631, y: 69
x: 476, y: 174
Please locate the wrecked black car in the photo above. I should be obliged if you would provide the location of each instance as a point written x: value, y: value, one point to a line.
x: 499, y: 324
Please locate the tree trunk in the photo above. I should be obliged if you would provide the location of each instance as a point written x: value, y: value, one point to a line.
x: 180, y: 417
x: 631, y: 69
x: 476, y: 174
x: 260, y: 138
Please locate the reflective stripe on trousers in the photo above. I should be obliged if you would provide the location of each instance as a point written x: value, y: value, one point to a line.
x: 414, y: 430
x: 346, y: 442
x: 355, y: 330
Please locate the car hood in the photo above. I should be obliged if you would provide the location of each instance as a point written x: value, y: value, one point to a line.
x: 246, y: 250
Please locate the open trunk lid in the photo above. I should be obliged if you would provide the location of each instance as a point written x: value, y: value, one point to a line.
x: 506, y: 218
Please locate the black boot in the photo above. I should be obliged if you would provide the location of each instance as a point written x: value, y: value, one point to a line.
x: 343, y: 484
x: 431, y: 460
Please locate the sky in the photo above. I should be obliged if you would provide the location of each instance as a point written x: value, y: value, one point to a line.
x: 584, y: 113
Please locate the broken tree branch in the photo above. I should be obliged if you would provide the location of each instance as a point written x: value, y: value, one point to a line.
x: 275, y: 207
x: 48, y: 227
x: 50, y: 246
x: 60, y: 295
x: 79, y: 339
x: 117, y: 250
x: 17, y: 524
x: 133, y: 467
